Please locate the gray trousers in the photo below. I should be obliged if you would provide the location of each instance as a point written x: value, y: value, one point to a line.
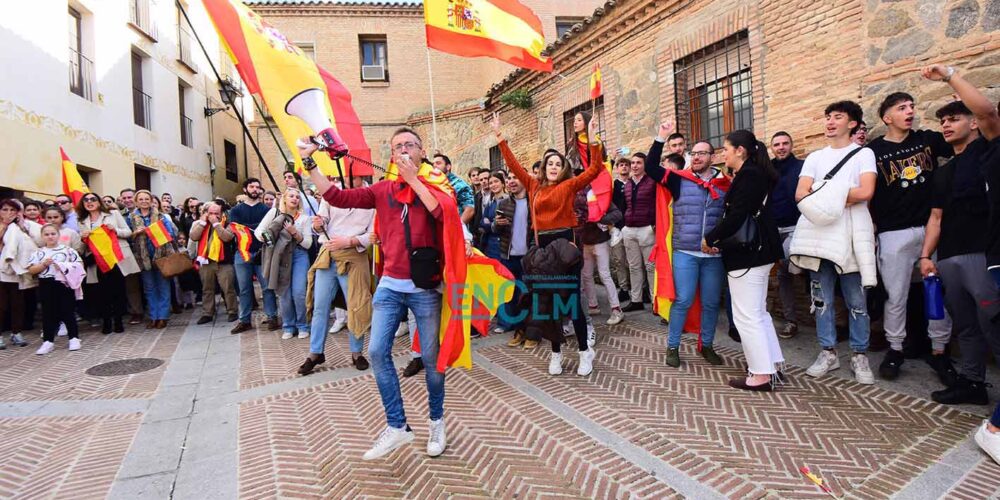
x: 971, y: 297
x: 619, y: 266
x: 786, y: 280
x: 898, y: 252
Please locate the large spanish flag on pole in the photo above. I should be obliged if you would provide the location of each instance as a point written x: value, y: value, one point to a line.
x: 72, y: 184
x: 276, y: 70
x: 502, y: 29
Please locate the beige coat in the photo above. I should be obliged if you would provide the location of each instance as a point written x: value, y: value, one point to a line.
x: 114, y: 220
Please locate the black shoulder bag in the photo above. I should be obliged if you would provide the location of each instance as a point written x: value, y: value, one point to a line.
x: 425, y: 262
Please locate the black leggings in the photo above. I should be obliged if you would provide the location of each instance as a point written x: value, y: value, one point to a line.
x: 578, y: 314
x: 110, y: 289
x: 58, y: 306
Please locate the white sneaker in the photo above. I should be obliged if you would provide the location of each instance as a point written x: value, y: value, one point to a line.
x: 46, y: 348
x: 989, y: 441
x: 436, y: 441
x: 862, y: 372
x: 287, y: 335
x: 390, y: 439
x: 586, y: 363
x: 74, y: 344
x: 499, y: 330
x: 591, y: 336
x: 617, y: 316
x: 403, y: 329
x: 62, y: 330
x: 303, y: 335
x: 555, y: 363
x: 826, y: 361
x: 338, y: 325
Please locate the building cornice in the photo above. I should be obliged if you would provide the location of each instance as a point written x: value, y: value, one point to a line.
x: 340, y: 9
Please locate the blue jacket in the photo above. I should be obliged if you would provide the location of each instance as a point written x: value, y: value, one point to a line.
x: 489, y: 242
x: 695, y: 214
x: 782, y: 202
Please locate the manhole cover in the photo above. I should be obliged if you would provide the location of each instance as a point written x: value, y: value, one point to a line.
x: 124, y: 367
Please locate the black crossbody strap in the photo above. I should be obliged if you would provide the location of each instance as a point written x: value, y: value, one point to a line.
x: 840, y: 165
x: 406, y: 228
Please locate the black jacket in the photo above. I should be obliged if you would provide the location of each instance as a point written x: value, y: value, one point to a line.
x: 745, y: 197
x: 783, y: 207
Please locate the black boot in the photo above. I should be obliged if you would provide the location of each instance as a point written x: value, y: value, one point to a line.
x: 942, y: 365
x: 964, y: 391
x: 118, y: 327
x: 106, y: 327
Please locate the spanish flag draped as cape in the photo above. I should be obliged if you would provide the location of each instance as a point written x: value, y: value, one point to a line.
x: 602, y: 187
x: 663, y: 251
x: 464, y: 302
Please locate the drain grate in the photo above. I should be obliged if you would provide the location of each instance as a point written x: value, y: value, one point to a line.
x: 124, y: 367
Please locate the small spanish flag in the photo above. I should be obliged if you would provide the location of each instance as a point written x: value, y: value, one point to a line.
x: 210, y: 246
x: 72, y: 184
x: 103, y: 243
x: 595, y: 82
x: 159, y: 234
x: 243, y: 240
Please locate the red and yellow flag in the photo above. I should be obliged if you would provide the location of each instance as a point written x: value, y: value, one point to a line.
x: 72, y: 184
x: 159, y: 234
x: 501, y: 29
x: 243, y: 235
x: 103, y: 243
x: 210, y: 246
x: 601, y: 188
x: 595, y: 82
x: 276, y: 70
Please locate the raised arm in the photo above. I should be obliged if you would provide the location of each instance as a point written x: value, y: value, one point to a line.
x: 984, y: 110
x: 508, y: 156
x: 653, y: 168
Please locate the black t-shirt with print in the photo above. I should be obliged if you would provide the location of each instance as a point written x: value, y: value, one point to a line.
x: 990, y: 167
x: 905, y: 175
x: 960, y: 191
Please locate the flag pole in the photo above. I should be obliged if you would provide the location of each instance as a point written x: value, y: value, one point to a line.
x: 430, y: 80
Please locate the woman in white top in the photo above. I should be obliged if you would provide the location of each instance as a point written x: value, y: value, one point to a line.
x: 109, y: 286
x: 287, y: 237
x: 16, y: 246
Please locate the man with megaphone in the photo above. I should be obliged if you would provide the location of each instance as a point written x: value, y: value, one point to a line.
x: 407, y: 214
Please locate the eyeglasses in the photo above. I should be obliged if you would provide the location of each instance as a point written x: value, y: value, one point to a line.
x: 90, y: 199
x: 406, y: 145
x: 701, y: 153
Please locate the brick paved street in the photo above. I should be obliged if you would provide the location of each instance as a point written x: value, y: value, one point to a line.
x: 226, y: 417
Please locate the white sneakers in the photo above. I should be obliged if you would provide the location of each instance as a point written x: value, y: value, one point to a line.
x: 862, y: 372
x: 392, y: 438
x: 555, y: 363
x: 287, y: 335
x: 338, y: 325
x: 586, y: 362
x: 616, y: 317
x: 436, y: 441
x: 74, y: 344
x: 826, y: 361
x: 988, y: 441
x: 45, y: 348
x: 303, y: 335
x: 591, y: 336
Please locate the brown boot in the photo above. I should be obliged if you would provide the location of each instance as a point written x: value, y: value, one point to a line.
x: 273, y: 324
x: 241, y: 327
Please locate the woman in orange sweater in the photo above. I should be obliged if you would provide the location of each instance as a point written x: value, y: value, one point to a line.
x: 550, y: 196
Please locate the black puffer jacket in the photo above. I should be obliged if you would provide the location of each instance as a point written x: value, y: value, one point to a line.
x: 555, y: 263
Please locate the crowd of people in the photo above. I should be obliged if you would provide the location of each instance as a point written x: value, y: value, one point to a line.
x: 854, y: 216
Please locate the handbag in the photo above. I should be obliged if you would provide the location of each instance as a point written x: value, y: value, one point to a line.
x: 747, y: 236
x: 174, y: 264
x: 820, y: 213
x: 425, y: 262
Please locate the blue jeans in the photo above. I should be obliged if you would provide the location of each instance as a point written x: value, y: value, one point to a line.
x: 510, y: 316
x: 995, y: 419
x: 690, y: 273
x: 326, y: 282
x: 245, y: 272
x: 822, y: 286
x: 388, y: 309
x: 157, y: 290
x: 293, y: 300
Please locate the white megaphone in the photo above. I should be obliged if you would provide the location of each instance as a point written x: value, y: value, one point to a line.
x: 309, y: 106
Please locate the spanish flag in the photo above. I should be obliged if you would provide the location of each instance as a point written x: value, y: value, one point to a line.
x: 276, y: 70
x: 103, y: 243
x: 595, y: 82
x: 601, y: 188
x: 210, y: 246
x: 501, y: 29
x: 72, y: 184
x: 243, y: 235
x: 159, y: 234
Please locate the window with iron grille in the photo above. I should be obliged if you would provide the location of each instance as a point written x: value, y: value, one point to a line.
x: 81, y: 69
x: 712, y: 90
x: 595, y: 107
x: 232, y: 165
x: 496, y: 159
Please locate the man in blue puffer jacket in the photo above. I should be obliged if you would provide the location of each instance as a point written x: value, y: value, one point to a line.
x: 786, y: 215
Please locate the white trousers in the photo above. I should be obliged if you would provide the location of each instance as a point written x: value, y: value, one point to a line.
x: 759, y: 340
x: 599, y: 255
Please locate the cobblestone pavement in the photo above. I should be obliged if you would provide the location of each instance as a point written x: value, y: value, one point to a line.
x: 226, y: 417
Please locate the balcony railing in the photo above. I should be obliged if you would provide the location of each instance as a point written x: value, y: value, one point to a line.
x: 141, y: 16
x: 142, y: 105
x: 81, y: 75
x: 184, y: 54
x: 187, y: 131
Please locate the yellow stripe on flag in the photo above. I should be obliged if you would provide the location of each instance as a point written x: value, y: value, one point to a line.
x: 158, y: 234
